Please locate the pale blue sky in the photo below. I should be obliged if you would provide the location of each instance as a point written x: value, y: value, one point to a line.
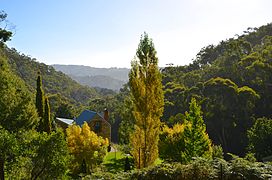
x: 104, y: 33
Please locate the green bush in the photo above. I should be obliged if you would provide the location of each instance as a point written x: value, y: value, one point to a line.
x: 198, y: 169
x: 217, y: 152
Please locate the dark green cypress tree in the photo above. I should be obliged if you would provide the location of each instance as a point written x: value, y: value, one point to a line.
x: 39, y: 96
x: 40, y: 101
x: 47, y: 120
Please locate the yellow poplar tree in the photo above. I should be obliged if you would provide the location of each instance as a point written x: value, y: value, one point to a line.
x: 148, y: 102
x: 86, y: 146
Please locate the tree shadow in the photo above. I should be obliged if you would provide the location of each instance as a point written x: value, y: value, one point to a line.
x: 115, y: 165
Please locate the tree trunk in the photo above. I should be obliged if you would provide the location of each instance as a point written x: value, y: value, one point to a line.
x: 2, y: 173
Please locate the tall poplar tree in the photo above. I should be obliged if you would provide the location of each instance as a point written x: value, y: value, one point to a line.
x: 47, y: 118
x: 148, y: 102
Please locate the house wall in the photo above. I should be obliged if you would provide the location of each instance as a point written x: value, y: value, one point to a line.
x: 105, y: 128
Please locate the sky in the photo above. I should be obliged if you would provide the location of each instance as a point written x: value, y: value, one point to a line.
x: 104, y: 33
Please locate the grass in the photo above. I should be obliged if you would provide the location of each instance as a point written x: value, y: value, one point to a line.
x: 115, y: 161
x: 111, y: 156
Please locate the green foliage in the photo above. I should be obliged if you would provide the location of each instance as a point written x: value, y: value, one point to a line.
x: 175, y: 103
x: 43, y: 108
x: 53, y: 81
x: 8, y: 149
x: 5, y: 35
x: 231, y: 80
x: 183, y: 142
x: 196, y: 140
x: 61, y: 107
x: 31, y: 155
x: 224, y: 103
x: 217, y: 152
x: 21, y: 166
x: 250, y: 157
x: 198, y: 169
x: 51, y: 157
x: 171, y: 143
x: 43, y: 156
x: 147, y: 96
x: 47, y: 117
x: 249, y: 170
x: 40, y: 97
x: 178, y: 118
x: 260, y: 138
x: 16, y: 105
x: 125, y: 112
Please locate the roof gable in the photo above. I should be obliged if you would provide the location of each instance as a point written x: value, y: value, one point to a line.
x: 102, y: 118
x: 86, y: 115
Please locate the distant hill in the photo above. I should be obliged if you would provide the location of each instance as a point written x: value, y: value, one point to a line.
x: 99, y: 81
x: 110, y: 78
x: 54, y: 82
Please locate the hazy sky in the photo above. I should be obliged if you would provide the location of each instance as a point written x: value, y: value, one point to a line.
x: 104, y: 33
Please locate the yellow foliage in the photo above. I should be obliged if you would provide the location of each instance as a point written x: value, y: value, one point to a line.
x: 171, y: 142
x: 177, y: 128
x: 84, y: 144
x: 148, y: 103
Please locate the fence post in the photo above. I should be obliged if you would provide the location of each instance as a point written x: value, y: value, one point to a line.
x: 139, y: 158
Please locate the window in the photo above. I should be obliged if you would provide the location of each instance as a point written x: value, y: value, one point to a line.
x: 97, y: 127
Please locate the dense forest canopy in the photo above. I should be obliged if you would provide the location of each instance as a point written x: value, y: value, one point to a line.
x: 232, y: 80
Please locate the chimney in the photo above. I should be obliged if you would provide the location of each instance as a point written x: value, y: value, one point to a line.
x: 106, y: 114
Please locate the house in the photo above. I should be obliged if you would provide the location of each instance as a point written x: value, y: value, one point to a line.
x: 99, y: 123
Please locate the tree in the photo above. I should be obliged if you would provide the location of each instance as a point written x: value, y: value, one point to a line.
x: 5, y: 35
x: 260, y: 138
x: 85, y: 146
x: 148, y: 101
x: 124, y: 111
x: 16, y: 105
x: 65, y: 110
x: 8, y: 147
x: 228, y: 110
x: 47, y: 117
x: 43, y: 108
x: 175, y: 102
x: 40, y: 97
x: 196, y: 140
x: 50, y: 157
x: 185, y: 141
x: 171, y: 143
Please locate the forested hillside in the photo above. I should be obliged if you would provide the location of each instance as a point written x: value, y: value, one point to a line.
x: 99, y: 81
x: 55, y: 82
x: 232, y: 82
